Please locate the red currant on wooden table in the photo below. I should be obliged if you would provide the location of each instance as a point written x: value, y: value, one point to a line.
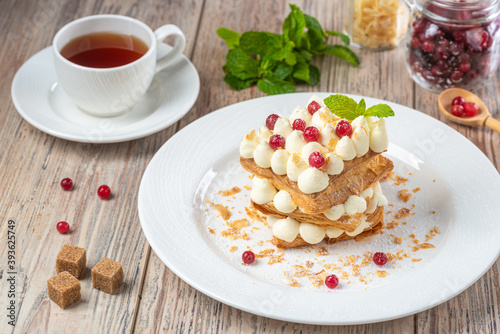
x: 380, y: 258
x: 470, y: 109
x: 316, y: 159
x: 248, y: 257
x: 458, y: 100
x: 343, y: 128
x: 313, y: 107
x: 66, y: 184
x: 103, y: 191
x: 277, y: 141
x: 311, y: 133
x: 457, y: 110
x: 299, y: 124
x: 332, y: 281
x: 271, y: 120
x: 62, y: 227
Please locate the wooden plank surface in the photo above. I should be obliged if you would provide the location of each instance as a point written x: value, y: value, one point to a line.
x: 153, y: 299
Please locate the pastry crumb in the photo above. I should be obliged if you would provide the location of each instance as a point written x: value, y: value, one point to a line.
x: 233, y: 249
x: 229, y: 192
x: 417, y: 189
x: 404, y: 195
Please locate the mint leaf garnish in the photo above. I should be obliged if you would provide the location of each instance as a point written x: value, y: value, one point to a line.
x: 232, y: 38
x: 360, y: 109
x: 342, y: 106
x: 277, y: 62
x: 347, y: 108
x: 379, y: 110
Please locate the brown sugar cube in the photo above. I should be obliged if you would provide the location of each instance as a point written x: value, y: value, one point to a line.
x: 64, y: 289
x: 107, y: 275
x: 71, y: 259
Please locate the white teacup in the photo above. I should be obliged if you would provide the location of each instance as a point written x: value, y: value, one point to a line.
x: 115, y: 90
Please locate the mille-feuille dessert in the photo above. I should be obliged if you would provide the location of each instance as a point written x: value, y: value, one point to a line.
x: 316, y: 176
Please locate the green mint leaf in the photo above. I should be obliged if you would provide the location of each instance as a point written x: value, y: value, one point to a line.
x: 283, y: 70
x: 272, y: 85
x: 241, y: 65
x: 285, y: 52
x: 301, y: 69
x: 344, y: 38
x: 317, y: 41
x: 343, y: 53
x: 257, y: 43
x: 360, y: 110
x: 306, y: 55
x: 238, y: 84
x: 313, y: 23
x: 268, y: 62
x: 379, y: 110
x: 294, y: 25
x: 231, y: 37
x: 342, y: 106
x: 313, y: 75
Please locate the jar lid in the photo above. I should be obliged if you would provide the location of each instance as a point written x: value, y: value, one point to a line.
x: 459, y: 11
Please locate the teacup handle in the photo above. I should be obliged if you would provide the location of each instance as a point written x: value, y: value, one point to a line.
x: 162, y: 33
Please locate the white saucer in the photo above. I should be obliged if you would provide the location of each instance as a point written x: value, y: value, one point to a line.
x: 43, y: 103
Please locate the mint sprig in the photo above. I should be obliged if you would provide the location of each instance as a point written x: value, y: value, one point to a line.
x: 347, y: 108
x: 277, y: 62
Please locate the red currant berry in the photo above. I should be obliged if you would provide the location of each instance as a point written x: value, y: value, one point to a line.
x: 277, y: 141
x: 311, y: 133
x: 428, y: 46
x: 457, y: 110
x: 248, y: 257
x: 464, y: 67
x: 343, y: 128
x: 380, y: 258
x: 62, y: 227
x: 299, y: 124
x: 313, y: 107
x: 271, y: 120
x: 103, y: 191
x: 332, y: 281
x: 458, y: 100
x: 415, y: 43
x: 66, y: 184
x: 316, y: 159
x: 470, y: 109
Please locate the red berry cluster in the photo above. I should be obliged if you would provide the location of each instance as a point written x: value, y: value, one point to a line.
x: 460, y: 108
x: 449, y: 55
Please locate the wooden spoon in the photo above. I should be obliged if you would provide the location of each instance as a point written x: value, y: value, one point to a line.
x: 483, y: 118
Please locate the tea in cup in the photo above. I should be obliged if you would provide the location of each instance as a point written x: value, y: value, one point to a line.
x: 105, y: 63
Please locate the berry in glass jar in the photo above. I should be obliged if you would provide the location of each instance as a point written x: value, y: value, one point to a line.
x: 453, y: 43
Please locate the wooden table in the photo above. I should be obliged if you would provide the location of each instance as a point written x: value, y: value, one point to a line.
x: 153, y: 299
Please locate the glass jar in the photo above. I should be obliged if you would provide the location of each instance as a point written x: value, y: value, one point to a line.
x: 376, y: 24
x: 453, y: 43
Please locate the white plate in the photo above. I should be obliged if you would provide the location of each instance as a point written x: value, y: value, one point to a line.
x: 205, y: 153
x: 42, y: 103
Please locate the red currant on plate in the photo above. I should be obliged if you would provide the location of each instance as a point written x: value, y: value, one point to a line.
x: 248, y: 257
x: 457, y: 110
x: 271, y: 120
x: 103, y: 191
x: 277, y: 141
x: 299, y: 124
x: 316, y: 159
x: 62, y: 227
x: 311, y: 133
x: 343, y: 128
x: 380, y: 258
x: 66, y: 184
x: 458, y: 100
x: 470, y: 109
x: 313, y: 107
x: 332, y: 281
